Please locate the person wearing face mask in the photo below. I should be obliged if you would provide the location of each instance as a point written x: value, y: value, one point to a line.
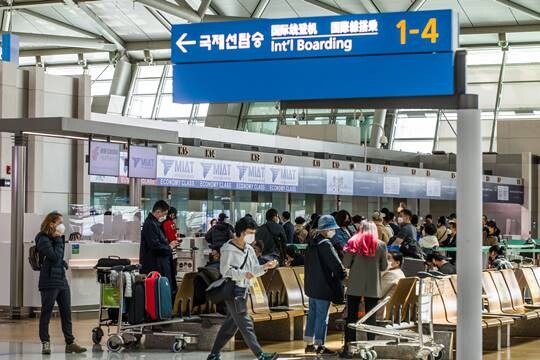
x: 233, y: 254
x: 171, y: 233
x: 220, y: 233
x: 451, y: 240
x: 272, y: 237
x: 53, y: 285
x: 407, y: 229
x: 156, y: 251
x: 343, y: 233
x: 324, y: 275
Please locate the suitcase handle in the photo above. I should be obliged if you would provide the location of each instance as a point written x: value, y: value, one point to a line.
x: 113, y: 257
x: 153, y: 275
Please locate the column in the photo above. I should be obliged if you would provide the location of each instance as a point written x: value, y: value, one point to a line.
x: 18, y: 197
x: 377, y: 130
x: 135, y: 192
x: 225, y: 116
x: 469, y: 246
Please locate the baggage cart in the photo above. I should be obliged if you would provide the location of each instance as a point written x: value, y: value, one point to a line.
x: 424, y: 344
x: 120, y: 333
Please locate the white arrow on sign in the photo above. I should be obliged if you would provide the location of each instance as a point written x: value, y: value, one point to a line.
x: 180, y: 43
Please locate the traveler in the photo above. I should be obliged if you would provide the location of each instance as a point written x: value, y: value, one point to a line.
x: 343, y: 234
x: 324, y: 274
x: 407, y: 229
x: 300, y: 232
x: 451, y: 239
x: 442, y: 230
x: 53, y: 284
x: 392, y: 275
x: 378, y: 219
x: 169, y: 228
x: 272, y: 237
x: 365, y: 256
x: 429, y: 242
x: 258, y: 252
x: 493, y: 235
x: 288, y: 227
x: 390, y: 220
x: 220, y: 233
x: 312, y: 219
x: 155, y: 250
x: 234, y: 253
x: 213, y: 258
x: 212, y: 223
x: 357, y: 221
x: 441, y: 262
x: 497, y: 258
x: 294, y: 258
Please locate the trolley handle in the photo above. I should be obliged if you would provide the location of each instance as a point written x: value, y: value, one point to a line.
x: 431, y: 274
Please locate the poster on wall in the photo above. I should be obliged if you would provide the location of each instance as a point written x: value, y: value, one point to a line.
x: 391, y: 185
x: 433, y: 188
x: 339, y: 182
x: 503, y: 193
x: 104, y: 158
x: 142, y: 162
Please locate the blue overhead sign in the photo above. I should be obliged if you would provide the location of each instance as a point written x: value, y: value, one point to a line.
x: 264, y: 56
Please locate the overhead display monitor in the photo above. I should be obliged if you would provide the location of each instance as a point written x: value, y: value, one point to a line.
x: 142, y: 162
x: 104, y: 158
x: 331, y: 57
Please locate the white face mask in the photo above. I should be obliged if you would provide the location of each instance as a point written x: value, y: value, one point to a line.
x: 162, y: 219
x: 249, y: 238
x: 400, y: 220
x: 60, y: 229
x: 331, y: 233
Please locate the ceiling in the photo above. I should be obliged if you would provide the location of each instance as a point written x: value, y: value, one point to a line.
x: 123, y: 25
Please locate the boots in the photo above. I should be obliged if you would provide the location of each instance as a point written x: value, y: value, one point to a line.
x: 74, y: 348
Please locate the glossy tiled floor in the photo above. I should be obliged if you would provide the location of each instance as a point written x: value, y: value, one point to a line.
x: 18, y: 340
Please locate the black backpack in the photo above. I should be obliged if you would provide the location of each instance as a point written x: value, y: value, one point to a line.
x: 34, y: 258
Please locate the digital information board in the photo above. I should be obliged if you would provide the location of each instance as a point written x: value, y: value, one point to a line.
x: 104, y: 158
x: 352, y: 56
x: 142, y: 162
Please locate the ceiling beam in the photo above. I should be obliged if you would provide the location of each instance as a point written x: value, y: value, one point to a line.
x: 328, y: 7
x: 481, y: 30
x: 260, y: 8
x: 203, y: 7
x: 179, y: 11
x: 371, y: 7
x: 59, y: 23
x: 64, y: 41
x: 416, y: 5
x: 103, y: 28
x: 521, y: 8
x: 38, y: 3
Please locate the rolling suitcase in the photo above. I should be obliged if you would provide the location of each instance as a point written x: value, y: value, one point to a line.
x: 136, y: 308
x: 158, y: 297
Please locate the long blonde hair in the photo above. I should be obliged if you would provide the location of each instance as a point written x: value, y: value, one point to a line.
x: 47, y: 227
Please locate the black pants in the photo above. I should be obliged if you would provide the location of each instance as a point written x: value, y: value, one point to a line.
x: 353, y: 303
x: 63, y: 298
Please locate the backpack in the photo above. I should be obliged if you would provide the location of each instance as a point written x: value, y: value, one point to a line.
x: 34, y: 258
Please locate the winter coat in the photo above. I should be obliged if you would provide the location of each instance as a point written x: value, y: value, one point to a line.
x: 288, y: 227
x: 219, y: 234
x: 324, y: 272
x: 300, y: 233
x: 53, y: 269
x: 155, y: 252
x: 365, y: 274
x: 341, y: 237
x: 273, y: 238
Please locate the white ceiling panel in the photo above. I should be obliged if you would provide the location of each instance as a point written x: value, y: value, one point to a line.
x: 111, y: 13
x: 249, y: 5
x: 491, y: 39
x: 143, y: 20
x: 69, y: 15
x: 282, y: 9
x: 41, y: 26
x: 450, y: 4
x: 354, y: 7
x: 483, y: 13
x: 303, y: 8
x: 392, y: 6
x: 233, y: 8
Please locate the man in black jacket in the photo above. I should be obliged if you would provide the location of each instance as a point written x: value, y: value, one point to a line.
x: 220, y: 233
x: 273, y: 237
x: 288, y: 227
x: 156, y: 251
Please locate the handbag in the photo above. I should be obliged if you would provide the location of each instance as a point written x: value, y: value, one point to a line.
x: 222, y: 289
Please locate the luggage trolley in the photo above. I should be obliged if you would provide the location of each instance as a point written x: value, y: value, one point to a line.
x: 126, y: 335
x: 426, y: 347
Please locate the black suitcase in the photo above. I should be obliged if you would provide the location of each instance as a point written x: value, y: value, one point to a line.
x: 112, y: 261
x: 136, y: 304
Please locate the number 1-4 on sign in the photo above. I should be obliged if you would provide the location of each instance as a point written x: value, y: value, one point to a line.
x: 429, y: 32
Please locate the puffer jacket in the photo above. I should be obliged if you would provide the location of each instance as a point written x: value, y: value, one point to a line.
x: 53, y: 269
x: 219, y: 234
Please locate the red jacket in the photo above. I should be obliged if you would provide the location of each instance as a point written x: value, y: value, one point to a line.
x: 169, y: 228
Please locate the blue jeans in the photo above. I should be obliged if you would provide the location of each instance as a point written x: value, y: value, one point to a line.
x: 317, y: 321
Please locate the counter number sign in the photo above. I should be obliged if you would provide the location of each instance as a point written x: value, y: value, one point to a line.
x: 429, y: 32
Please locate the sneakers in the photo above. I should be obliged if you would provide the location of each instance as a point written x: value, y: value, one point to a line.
x: 74, y: 348
x: 213, y: 357
x: 322, y: 350
x: 310, y: 349
x: 46, y: 348
x: 267, y: 356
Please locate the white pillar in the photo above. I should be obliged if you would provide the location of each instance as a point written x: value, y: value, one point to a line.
x: 469, y: 243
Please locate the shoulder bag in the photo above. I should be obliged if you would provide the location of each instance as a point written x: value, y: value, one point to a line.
x: 222, y: 289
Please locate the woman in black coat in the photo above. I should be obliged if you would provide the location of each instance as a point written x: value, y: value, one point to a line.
x: 53, y: 284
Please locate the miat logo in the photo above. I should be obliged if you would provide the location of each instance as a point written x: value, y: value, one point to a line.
x: 206, y: 169
x: 167, y: 165
x: 143, y: 162
x: 242, y: 170
x: 275, y: 174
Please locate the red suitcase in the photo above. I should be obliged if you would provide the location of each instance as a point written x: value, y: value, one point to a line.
x: 150, y: 287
